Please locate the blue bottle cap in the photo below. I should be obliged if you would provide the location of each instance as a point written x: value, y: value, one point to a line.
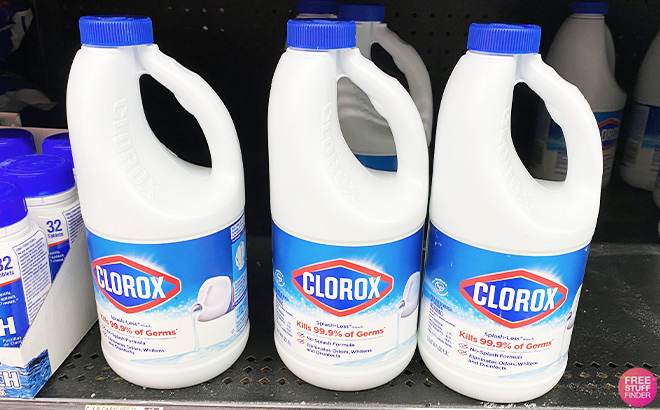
x: 503, y: 38
x: 58, y: 144
x: 316, y: 7
x: 38, y: 175
x: 362, y: 12
x: 590, y: 7
x: 12, y: 204
x: 115, y: 31
x: 320, y: 34
x: 15, y: 142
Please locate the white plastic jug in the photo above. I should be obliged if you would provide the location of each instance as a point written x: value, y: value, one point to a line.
x: 345, y: 242
x: 641, y: 160
x: 582, y: 52
x: 506, y: 254
x: 366, y: 131
x: 157, y: 227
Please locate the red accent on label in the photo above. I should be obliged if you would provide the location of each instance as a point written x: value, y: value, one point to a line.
x: 510, y: 275
x: 118, y: 259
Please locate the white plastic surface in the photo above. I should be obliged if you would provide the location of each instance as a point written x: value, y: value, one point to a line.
x: 133, y: 189
x: 483, y: 196
x: 582, y: 52
x: 365, y: 130
x: 321, y: 193
x: 640, y: 173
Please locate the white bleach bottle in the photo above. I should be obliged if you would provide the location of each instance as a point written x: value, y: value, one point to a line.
x: 506, y: 254
x: 582, y: 52
x: 24, y: 273
x: 52, y: 199
x: 166, y: 238
x: 641, y: 160
x: 366, y: 131
x: 346, y: 245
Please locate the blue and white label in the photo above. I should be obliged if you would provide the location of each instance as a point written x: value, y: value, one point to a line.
x: 61, y: 227
x: 24, y: 284
x: 498, y: 314
x: 171, y: 302
x: 643, y: 138
x: 550, y: 159
x: 346, y: 305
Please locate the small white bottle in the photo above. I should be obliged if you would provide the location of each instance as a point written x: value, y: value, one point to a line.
x: 52, y: 199
x: 24, y: 272
x: 582, y: 52
x: 59, y: 144
x: 166, y: 238
x: 641, y: 160
x: 15, y: 142
x: 506, y: 254
x: 346, y: 245
x: 366, y: 131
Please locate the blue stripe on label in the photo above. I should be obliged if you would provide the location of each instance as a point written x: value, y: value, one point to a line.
x: 56, y: 254
x: 14, y: 321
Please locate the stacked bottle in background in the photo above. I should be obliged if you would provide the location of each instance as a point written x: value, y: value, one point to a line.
x: 346, y: 246
x: 366, y: 131
x: 59, y: 144
x: 582, y: 52
x: 15, y: 142
x: 641, y: 160
x: 505, y: 255
x: 166, y: 238
x: 51, y: 197
x: 24, y: 271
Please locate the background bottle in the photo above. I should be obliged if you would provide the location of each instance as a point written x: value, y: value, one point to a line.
x: 15, y: 142
x: 582, y: 52
x: 641, y: 160
x: 346, y: 246
x: 59, y: 144
x: 366, y: 131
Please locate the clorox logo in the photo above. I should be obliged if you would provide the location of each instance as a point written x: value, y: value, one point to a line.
x: 514, y: 299
x: 340, y: 287
x: 132, y: 287
x: 609, y: 131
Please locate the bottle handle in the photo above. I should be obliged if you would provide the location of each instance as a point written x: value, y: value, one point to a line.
x: 198, y: 98
x: 392, y: 101
x: 412, y: 66
x: 571, y: 111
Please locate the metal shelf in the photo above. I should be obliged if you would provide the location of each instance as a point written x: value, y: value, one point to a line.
x: 618, y: 328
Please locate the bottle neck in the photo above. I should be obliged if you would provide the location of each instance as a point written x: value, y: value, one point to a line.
x: 52, y: 199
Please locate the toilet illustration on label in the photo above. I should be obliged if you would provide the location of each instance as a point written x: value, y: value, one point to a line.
x: 214, y: 299
x: 570, y: 322
x: 409, y: 302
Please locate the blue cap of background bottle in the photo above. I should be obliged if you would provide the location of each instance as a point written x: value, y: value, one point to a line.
x: 38, y: 175
x: 362, y: 12
x: 320, y: 34
x: 15, y: 142
x: 316, y: 7
x: 12, y: 204
x: 115, y: 31
x: 58, y: 144
x: 590, y: 7
x: 503, y: 38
